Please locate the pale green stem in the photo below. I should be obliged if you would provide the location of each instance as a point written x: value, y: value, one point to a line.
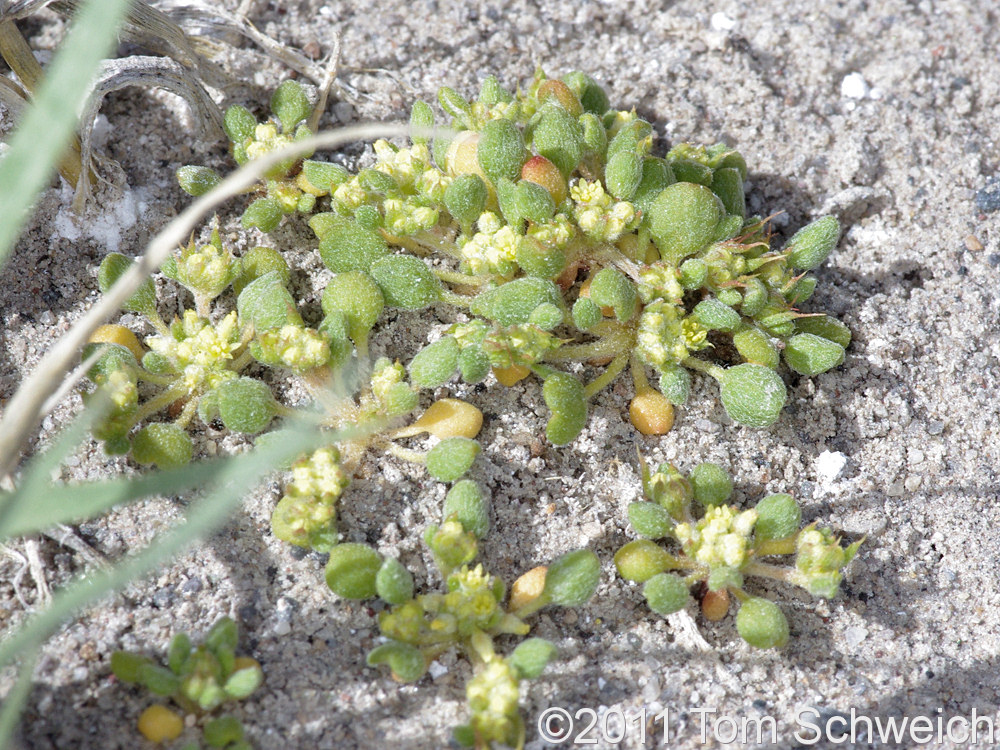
x: 202, y: 305
x: 462, y: 279
x: 609, y: 346
x: 241, y: 361
x: 531, y: 607
x: 455, y: 299
x: 435, y: 242
x: 162, y: 380
x: 157, y: 322
x: 406, y: 454
x: 775, y: 572
x: 187, y: 413
x: 612, y: 372
x: 159, y: 402
x: 706, y: 367
x: 776, y: 546
x: 638, y: 375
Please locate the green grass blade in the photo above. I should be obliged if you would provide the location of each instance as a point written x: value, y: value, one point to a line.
x: 233, y: 480
x: 45, y: 130
x: 67, y: 503
x: 21, y: 503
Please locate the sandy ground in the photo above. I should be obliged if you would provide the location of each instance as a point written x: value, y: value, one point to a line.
x: 882, y: 113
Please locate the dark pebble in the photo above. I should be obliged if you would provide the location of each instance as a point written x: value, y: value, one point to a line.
x: 988, y: 196
x: 993, y: 259
x: 192, y: 586
x: 164, y: 597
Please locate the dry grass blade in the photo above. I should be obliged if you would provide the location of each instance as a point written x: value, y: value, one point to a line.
x: 143, y: 71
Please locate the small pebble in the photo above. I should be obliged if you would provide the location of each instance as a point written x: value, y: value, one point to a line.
x: 436, y: 669
x: 988, y: 196
x: 705, y: 425
x: 935, y: 427
x: 993, y: 259
x: 830, y: 465
x: 651, y: 691
x: 855, y: 636
x: 972, y: 244
x: 854, y: 86
x: 722, y: 22
x: 47, y: 318
x: 343, y: 111
x: 912, y: 483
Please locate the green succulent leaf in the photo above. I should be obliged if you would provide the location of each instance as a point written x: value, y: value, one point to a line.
x: 406, y: 282
x: 761, y: 624
x: 223, y: 731
x: 435, y: 363
x: 716, y: 316
x: 258, y: 261
x: 466, y: 502
x: 264, y: 214
x: 465, y: 198
x: 243, y: 682
x: 162, y: 444
x: 265, y: 303
x: 778, y: 517
x: 666, y: 593
x: 558, y: 136
x: 812, y: 244
x: 752, y: 395
x: 352, y: 569
x: 197, y: 181
x: 393, y: 582
x: 711, y: 484
x: 809, y: 354
x: 683, y: 219
x: 586, y: 313
x: 405, y: 661
x: 473, y: 364
x: 565, y: 397
x: 290, y: 104
x: 513, y: 302
x: 650, y: 520
x: 611, y: 288
x: 572, y: 578
x: 532, y: 656
x: 641, y: 560
x: 451, y: 458
x: 501, y: 151
x: 348, y: 246
x: 245, y: 405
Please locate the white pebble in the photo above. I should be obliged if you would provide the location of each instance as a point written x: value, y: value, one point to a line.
x: 854, y: 86
x: 855, y: 636
x: 282, y: 627
x: 830, y: 465
x: 722, y: 22
x: 47, y: 318
x: 437, y: 669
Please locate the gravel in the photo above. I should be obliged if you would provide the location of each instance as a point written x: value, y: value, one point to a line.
x: 917, y: 626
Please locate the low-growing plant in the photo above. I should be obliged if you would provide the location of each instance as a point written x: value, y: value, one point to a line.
x: 196, y: 363
x: 718, y: 550
x: 199, y: 680
x: 545, y: 220
x: 547, y: 217
x: 468, y: 615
